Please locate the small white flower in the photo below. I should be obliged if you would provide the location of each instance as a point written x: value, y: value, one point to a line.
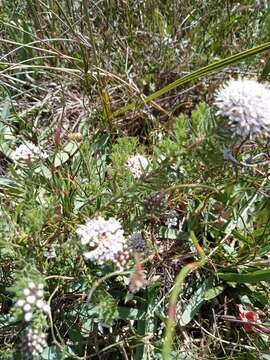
x: 20, y: 303
x: 172, y: 219
x: 31, y: 299
x: 27, y: 152
x: 39, y: 294
x: 28, y: 316
x: 137, y: 165
x: 50, y: 253
x: 39, y: 304
x: 46, y: 308
x: 31, y: 285
x: 104, y: 237
x: 27, y: 307
x: 247, y: 105
x: 26, y: 292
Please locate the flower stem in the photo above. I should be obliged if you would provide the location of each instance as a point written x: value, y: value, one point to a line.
x: 171, y: 320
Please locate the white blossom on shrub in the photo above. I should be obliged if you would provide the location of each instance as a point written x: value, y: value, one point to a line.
x: 27, y: 152
x: 105, y: 239
x: 33, y: 343
x: 137, y: 164
x: 247, y: 105
x: 172, y: 219
x: 32, y: 298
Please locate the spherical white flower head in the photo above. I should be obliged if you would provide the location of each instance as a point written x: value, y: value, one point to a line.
x: 137, y: 164
x: 27, y: 152
x: 247, y: 104
x: 104, y: 237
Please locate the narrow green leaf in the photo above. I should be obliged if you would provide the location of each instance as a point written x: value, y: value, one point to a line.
x: 126, y: 313
x: 5, y: 110
x: 203, y: 293
x: 250, y: 277
x: 10, y: 186
x: 194, y: 76
x: 214, y: 292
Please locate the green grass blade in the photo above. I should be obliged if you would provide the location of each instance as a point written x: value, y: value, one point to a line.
x: 194, y: 76
x: 251, y: 277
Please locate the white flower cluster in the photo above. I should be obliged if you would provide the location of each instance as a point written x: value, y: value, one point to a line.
x: 137, y: 164
x: 27, y: 152
x: 105, y: 239
x: 172, y: 219
x: 247, y: 105
x: 33, y: 343
x: 33, y: 297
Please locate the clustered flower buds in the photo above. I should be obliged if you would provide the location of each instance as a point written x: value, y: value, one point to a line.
x: 247, y: 105
x: 156, y: 202
x: 33, y: 298
x: 122, y: 257
x: 28, y: 152
x: 137, y: 165
x: 105, y: 239
x: 138, y: 243
x: 33, y: 343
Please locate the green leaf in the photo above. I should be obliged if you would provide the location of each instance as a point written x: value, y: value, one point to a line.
x: 203, y: 293
x: 75, y: 334
x: 5, y: 110
x: 252, y: 277
x: 212, y: 293
x: 52, y: 353
x: 7, y: 320
x: 167, y: 233
x: 64, y: 155
x: 147, y: 326
x: 126, y: 313
x: 10, y: 186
